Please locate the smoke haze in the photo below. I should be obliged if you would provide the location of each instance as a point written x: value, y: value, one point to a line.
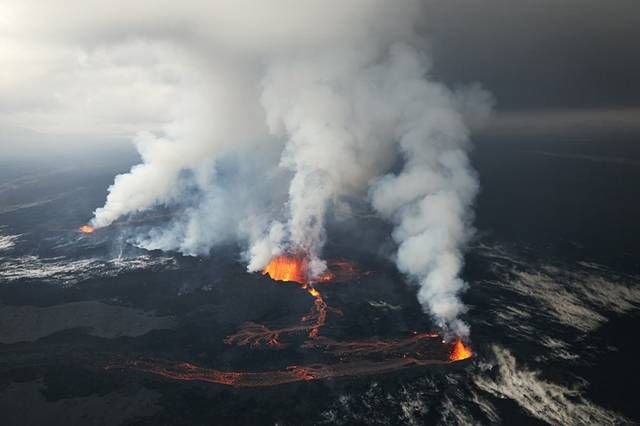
x: 256, y: 119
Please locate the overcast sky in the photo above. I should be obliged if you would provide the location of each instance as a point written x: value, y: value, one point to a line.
x: 87, y: 69
x: 541, y: 53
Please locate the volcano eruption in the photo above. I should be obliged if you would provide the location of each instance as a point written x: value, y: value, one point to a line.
x: 331, y: 130
x: 294, y: 129
x: 282, y: 133
x: 87, y: 229
x: 460, y: 351
x: 287, y: 268
x: 343, y: 358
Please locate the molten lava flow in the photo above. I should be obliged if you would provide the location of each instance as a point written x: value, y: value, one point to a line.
x: 460, y: 352
x: 287, y: 268
x: 341, y: 359
x: 417, y: 345
x: 318, y: 315
x: 87, y: 229
x: 294, y: 373
x: 295, y: 269
x: 252, y: 334
x: 344, y: 358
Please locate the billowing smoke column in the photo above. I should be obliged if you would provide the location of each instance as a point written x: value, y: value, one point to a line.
x: 291, y: 109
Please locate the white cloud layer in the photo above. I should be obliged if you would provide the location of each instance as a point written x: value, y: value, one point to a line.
x: 544, y: 400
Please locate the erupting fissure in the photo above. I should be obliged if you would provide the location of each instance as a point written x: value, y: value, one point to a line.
x: 347, y: 358
x: 296, y: 269
x: 87, y: 229
x: 460, y: 351
x: 287, y: 269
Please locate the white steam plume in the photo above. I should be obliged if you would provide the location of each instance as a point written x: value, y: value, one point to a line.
x: 345, y: 123
x: 429, y: 200
x: 286, y: 108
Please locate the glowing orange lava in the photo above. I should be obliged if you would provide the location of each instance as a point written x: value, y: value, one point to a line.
x: 337, y: 358
x: 341, y: 358
x: 293, y: 373
x: 460, y: 352
x: 340, y: 270
x: 87, y: 229
x: 291, y: 269
x: 295, y: 269
x: 287, y: 268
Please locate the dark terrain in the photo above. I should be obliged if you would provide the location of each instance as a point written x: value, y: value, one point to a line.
x: 553, y: 305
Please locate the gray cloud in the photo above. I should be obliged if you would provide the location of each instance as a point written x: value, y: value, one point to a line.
x: 540, y: 54
x: 103, y: 72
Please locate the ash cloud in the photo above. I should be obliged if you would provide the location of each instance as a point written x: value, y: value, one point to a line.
x: 273, y: 114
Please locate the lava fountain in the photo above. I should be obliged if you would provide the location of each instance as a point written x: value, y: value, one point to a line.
x: 87, y: 229
x: 296, y: 269
x: 287, y: 268
x: 460, y: 352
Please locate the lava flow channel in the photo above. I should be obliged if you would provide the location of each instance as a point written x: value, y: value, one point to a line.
x: 294, y: 373
x: 414, y: 351
x: 288, y: 269
x: 254, y: 334
x: 294, y: 269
